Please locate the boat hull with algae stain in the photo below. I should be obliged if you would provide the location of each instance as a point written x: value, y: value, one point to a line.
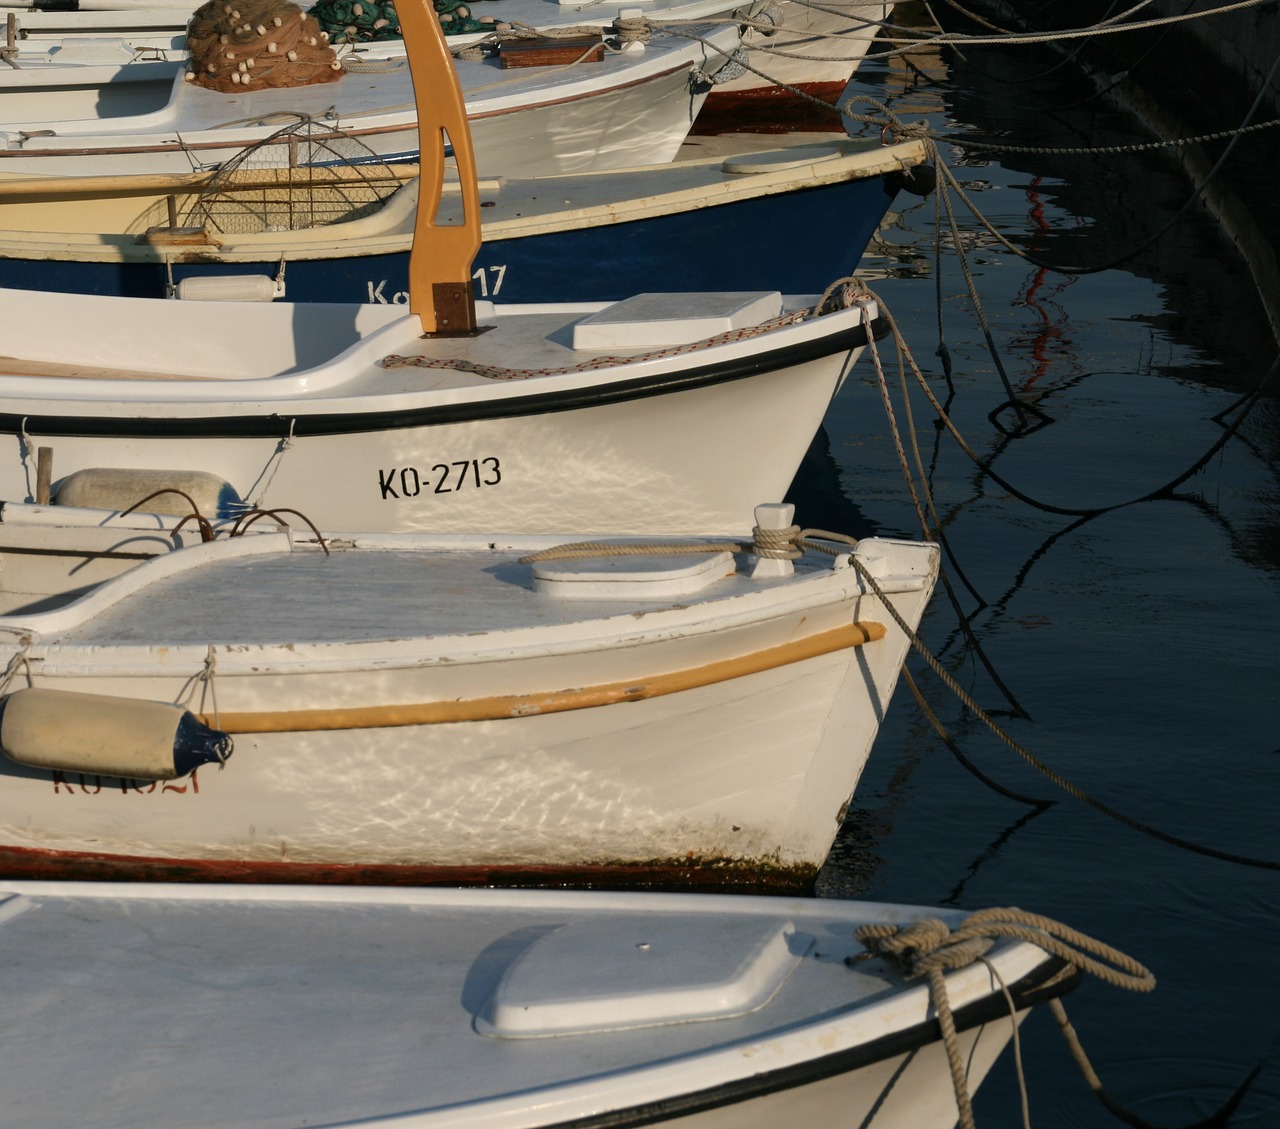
x: 442, y: 709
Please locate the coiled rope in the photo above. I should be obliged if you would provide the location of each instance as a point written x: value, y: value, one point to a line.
x: 927, y: 949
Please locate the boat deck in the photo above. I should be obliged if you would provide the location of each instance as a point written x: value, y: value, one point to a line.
x: 279, y: 1008
x: 305, y: 597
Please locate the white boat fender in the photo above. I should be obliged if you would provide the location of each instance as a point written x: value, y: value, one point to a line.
x: 105, y: 735
x: 119, y: 488
x: 230, y: 288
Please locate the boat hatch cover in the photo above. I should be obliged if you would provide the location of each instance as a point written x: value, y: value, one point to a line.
x: 617, y: 974
x: 656, y: 321
x: 630, y: 577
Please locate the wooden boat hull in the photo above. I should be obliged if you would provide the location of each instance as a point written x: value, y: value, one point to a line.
x: 637, y: 109
x: 367, y: 1007
x: 812, y: 51
x: 599, y: 263
x: 601, y: 236
x: 813, y: 54
x: 622, y: 448
x: 692, y: 746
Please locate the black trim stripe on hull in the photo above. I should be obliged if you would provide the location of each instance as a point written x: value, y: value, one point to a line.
x: 279, y: 426
x: 1052, y: 978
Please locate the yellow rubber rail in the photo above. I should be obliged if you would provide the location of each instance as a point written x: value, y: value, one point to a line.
x: 553, y: 701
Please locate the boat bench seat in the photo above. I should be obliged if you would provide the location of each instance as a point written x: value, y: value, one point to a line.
x: 19, y: 366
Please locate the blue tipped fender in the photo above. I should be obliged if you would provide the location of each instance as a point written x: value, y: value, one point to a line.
x: 74, y: 732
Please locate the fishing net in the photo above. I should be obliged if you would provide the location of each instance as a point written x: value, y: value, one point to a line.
x: 304, y: 175
x: 356, y: 21
x: 239, y: 44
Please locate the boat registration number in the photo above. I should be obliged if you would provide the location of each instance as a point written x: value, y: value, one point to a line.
x: 441, y: 478
x: 91, y: 784
x: 488, y: 282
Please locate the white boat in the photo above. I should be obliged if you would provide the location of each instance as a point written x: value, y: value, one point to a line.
x: 632, y: 105
x: 791, y: 46
x: 442, y: 414
x: 617, y: 417
x: 281, y: 1007
x: 411, y: 708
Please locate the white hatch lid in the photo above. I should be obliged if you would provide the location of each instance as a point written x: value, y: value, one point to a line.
x: 631, y: 577
x: 614, y: 974
x: 655, y: 321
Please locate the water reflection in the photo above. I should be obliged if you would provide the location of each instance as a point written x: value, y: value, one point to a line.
x: 1138, y: 640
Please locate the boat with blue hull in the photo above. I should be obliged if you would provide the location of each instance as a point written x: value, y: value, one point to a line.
x: 600, y: 235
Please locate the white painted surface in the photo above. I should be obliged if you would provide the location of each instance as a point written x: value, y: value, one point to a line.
x: 655, y: 321
x: 829, y: 41
x: 278, y: 1007
x: 755, y: 768
x: 634, y: 465
x: 527, y: 122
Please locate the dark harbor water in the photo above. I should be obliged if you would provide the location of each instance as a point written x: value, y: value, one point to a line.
x: 1138, y: 644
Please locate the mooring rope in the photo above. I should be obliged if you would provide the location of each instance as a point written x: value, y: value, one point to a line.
x: 954, y: 686
x: 928, y: 948
x: 21, y: 660
x: 959, y: 40
x: 1247, y: 403
x: 1048, y: 773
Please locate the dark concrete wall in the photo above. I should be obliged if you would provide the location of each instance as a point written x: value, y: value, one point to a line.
x: 1215, y: 59
x: 1245, y: 44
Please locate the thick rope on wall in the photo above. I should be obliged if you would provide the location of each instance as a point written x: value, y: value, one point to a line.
x: 234, y: 44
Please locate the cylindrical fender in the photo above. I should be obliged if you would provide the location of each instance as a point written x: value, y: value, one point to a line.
x: 109, y: 736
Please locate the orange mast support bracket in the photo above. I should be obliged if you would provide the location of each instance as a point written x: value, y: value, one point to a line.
x: 441, y: 256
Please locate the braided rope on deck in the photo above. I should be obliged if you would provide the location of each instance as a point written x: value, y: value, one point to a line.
x: 841, y: 294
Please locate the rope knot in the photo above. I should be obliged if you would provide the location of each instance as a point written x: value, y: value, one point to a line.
x: 777, y: 544
x: 765, y: 16
x: 922, y: 947
x: 734, y: 66
x: 842, y: 294
x: 632, y: 29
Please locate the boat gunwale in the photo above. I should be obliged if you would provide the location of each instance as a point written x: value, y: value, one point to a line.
x: 1052, y: 977
x: 707, y: 191
x: 299, y: 417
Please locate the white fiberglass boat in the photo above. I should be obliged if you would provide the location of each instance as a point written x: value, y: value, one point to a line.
x: 213, y: 1007
x: 441, y: 414
x: 632, y: 105
x: 790, y: 46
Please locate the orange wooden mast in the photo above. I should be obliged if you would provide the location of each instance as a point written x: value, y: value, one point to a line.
x: 441, y: 256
